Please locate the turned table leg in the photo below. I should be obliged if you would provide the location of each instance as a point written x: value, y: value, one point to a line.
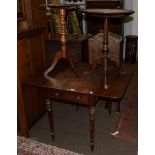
x: 50, y: 117
x: 92, y: 126
x: 118, y: 106
x: 108, y: 106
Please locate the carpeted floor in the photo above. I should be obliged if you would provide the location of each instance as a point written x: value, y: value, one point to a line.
x: 27, y: 146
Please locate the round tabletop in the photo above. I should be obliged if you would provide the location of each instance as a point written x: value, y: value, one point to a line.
x: 108, y: 12
x: 59, y: 6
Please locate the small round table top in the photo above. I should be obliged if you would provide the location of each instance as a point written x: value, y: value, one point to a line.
x: 108, y: 12
x: 59, y: 6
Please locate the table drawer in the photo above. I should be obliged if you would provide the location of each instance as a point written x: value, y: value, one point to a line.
x: 69, y: 96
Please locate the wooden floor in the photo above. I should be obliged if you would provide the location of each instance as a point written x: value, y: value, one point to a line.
x: 128, y: 123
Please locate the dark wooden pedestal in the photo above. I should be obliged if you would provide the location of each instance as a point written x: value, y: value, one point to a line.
x: 78, y: 45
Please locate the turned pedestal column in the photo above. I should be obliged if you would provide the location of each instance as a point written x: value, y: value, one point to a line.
x: 63, y: 53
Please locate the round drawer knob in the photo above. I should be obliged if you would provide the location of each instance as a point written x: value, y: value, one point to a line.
x: 56, y: 94
x: 78, y: 98
x: 118, y: 7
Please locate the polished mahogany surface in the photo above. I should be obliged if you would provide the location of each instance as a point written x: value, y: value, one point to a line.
x: 108, y: 12
x: 63, y: 79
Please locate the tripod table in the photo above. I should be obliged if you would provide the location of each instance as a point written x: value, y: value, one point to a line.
x: 106, y: 13
x: 63, y: 53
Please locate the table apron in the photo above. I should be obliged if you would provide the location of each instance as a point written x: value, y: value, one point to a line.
x: 71, y: 96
